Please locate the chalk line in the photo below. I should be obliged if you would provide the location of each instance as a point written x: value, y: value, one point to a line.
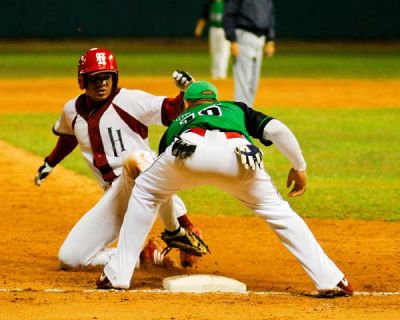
x: 161, y: 291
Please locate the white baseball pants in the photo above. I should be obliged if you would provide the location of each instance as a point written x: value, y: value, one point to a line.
x: 86, y: 243
x: 247, y: 66
x: 215, y: 162
x: 219, y: 53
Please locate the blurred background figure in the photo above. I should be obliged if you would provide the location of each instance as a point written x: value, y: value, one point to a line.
x: 250, y: 27
x: 219, y: 46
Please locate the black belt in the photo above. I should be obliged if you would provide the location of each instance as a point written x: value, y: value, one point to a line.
x: 256, y: 32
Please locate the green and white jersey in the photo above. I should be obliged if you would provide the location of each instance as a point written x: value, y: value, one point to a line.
x: 221, y: 115
x: 216, y: 13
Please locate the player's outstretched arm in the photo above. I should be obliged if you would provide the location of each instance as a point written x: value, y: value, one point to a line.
x: 281, y: 136
x: 173, y: 107
x: 65, y: 145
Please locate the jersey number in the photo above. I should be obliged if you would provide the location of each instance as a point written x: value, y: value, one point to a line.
x: 213, y: 110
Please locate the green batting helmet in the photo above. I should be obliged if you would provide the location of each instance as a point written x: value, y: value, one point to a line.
x: 201, y: 90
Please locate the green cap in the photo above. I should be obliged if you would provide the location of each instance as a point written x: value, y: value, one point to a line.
x: 201, y: 90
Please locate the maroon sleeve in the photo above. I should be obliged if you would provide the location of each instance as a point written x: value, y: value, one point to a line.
x: 65, y: 145
x: 171, y: 109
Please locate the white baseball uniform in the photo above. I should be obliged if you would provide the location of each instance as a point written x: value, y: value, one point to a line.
x: 219, y: 52
x: 113, y: 139
x: 247, y: 65
x: 219, y: 47
x: 214, y: 162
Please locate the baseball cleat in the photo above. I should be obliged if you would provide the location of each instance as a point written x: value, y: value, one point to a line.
x: 103, y: 282
x: 342, y: 289
x: 154, y: 254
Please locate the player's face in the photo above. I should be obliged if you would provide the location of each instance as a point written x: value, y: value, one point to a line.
x: 99, y: 86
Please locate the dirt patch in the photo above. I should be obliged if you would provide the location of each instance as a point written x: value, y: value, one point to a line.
x: 35, y: 222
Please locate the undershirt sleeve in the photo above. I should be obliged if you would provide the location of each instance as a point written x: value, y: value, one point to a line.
x: 171, y: 109
x: 65, y: 145
x: 286, y: 142
x: 255, y: 122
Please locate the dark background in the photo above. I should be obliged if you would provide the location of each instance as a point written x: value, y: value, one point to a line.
x: 302, y: 19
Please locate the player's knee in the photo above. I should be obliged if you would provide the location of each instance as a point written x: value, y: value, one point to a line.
x: 68, y: 258
x: 136, y: 162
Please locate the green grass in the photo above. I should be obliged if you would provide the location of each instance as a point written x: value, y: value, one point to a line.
x: 59, y: 59
x: 352, y: 156
x: 33, y: 132
x: 353, y: 161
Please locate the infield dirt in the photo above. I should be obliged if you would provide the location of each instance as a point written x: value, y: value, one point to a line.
x: 35, y: 222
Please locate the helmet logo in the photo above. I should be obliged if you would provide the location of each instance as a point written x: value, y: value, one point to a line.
x: 207, y: 93
x: 97, y: 60
x: 101, y: 58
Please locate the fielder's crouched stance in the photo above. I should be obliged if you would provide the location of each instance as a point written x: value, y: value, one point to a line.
x: 110, y: 124
x: 210, y: 143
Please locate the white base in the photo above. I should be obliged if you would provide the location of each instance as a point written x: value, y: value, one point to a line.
x: 203, y: 283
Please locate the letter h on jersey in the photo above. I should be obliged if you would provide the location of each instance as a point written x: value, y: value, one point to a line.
x: 113, y: 141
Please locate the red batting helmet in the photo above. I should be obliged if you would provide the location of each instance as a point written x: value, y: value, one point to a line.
x: 96, y: 60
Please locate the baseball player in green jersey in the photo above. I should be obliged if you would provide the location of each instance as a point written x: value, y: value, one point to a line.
x: 219, y: 47
x: 210, y: 143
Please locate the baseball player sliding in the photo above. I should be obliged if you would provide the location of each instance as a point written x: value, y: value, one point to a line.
x: 110, y: 124
x: 210, y: 143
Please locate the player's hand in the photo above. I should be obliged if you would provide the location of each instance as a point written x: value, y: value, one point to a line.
x: 235, y: 49
x: 198, y: 31
x: 300, y: 182
x: 269, y: 48
x: 182, y: 79
x: 43, y: 171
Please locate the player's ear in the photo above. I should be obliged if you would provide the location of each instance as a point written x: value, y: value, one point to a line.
x: 186, y: 105
x: 81, y: 82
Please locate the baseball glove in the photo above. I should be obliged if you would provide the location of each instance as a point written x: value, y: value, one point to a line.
x: 188, y: 260
x: 186, y: 241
